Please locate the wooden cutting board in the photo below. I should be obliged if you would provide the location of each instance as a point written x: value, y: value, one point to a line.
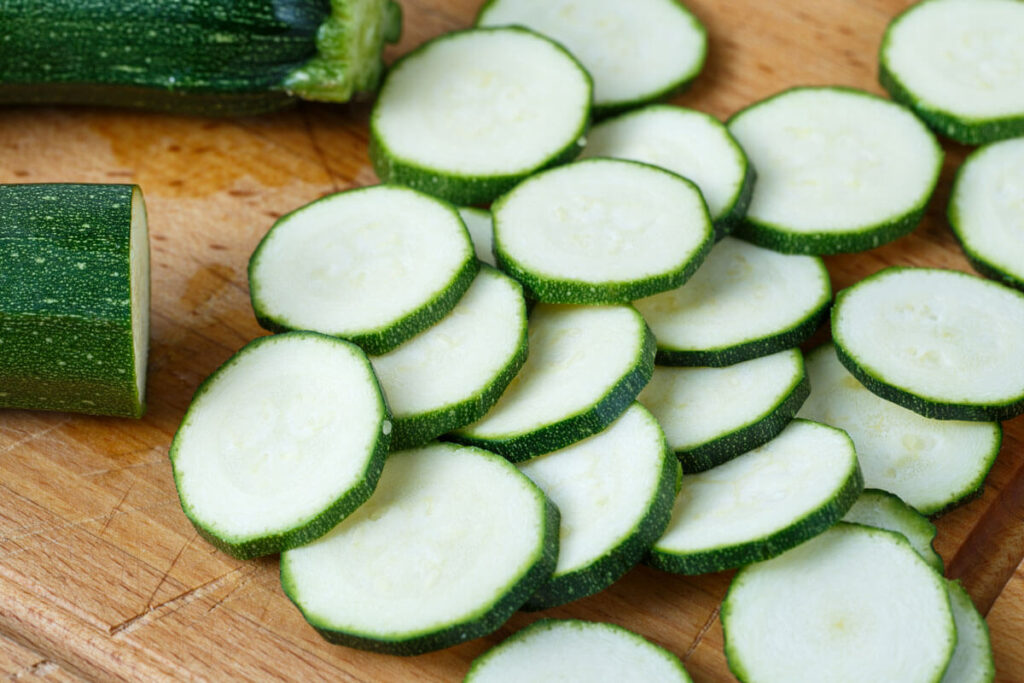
x: 101, y: 575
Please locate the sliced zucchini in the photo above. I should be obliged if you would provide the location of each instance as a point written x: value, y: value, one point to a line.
x: 761, y: 503
x: 942, y: 343
x: 972, y: 658
x: 886, y: 511
x: 959, y: 65
x: 689, y: 143
x: 585, y: 367
x: 614, y: 491
x: 449, y: 546
x: 712, y: 415
x: 601, y: 231
x: 374, y: 265
x: 986, y: 210
x: 636, y: 53
x: 74, y: 298
x: 576, y: 650
x: 469, y: 114
x: 481, y: 232
x: 838, y: 170
x: 743, y: 302
x: 281, y: 443
x: 854, y: 604
x: 452, y: 373
x: 930, y: 464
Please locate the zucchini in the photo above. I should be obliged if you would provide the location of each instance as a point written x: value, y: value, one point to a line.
x: 972, y: 660
x: 74, y: 298
x: 886, y: 511
x: 576, y: 650
x: 481, y: 232
x: 223, y: 57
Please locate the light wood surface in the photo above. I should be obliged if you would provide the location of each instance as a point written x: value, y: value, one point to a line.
x: 101, y: 575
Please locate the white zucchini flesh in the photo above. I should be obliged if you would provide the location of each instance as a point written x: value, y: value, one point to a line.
x: 481, y: 232
x: 972, y: 658
x: 986, y: 209
x: 853, y: 604
x: 937, y: 337
x: 450, y: 534
x: 634, y: 54
x: 687, y: 142
x: 138, y: 246
x: 886, y: 511
x: 744, y: 301
x: 576, y: 650
x: 613, y: 230
x: 930, y: 464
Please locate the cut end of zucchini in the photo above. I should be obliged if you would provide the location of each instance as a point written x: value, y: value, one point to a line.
x: 139, y: 266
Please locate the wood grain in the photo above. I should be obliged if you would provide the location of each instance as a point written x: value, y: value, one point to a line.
x: 101, y: 575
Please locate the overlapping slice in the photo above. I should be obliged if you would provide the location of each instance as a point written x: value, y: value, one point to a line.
x: 481, y: 232
x: 886, y: 511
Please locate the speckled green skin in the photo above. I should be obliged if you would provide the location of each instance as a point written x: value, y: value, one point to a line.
x: 219, y: 57
x: 732, y: 218
x: 305, y: 530
x: 66, y: 340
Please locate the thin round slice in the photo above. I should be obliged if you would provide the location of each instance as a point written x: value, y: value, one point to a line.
x: 481, y: 232
x: 281, y: 443
x: 469, y: 114
x: 762, y: 503
x: 712, y: 415
x: 449, y: 546
x: 374, y: 265
x: 886, y: 511
x: 585, y: 367
x: 942, y: 343
x: 689, y: 143
x: 838, y: 170
x: 743, y: 302
x: 930, y: 464
x: 601, y: 231
x: 972, y: 658
x: 576, y: 650
x: 854, y: 604
x: 986, y: 210
x: 614, y: 491
x: 452, y: 373
x: 636, y: 53
x: 960, y: 65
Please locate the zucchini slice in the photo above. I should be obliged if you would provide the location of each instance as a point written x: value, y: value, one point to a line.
x: 939, y: 342
x: 743, y: 302
x: 854, y: 604
x: 374, y: 265
x: 453, y: 372
x: 761, y: 503
x: 838, y: 170
x: 972, y: 659
x: 886, y: 511
x: 636, y: 53
x: 481, y: 232
x: 712, y: 415
x: 74, y: 298
x: 449, y: 546
x: 614, y: 491
x: 469, y: 114
x: 689, y: 143
x: 601, y: 231
x: 281, y: 443
x: 576, y: 650
x: 930, y: 464
x: 959, y: 65
x: 986, y: 210
x: 585, y: 368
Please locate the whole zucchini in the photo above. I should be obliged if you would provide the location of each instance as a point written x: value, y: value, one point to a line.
x: 195, y: 56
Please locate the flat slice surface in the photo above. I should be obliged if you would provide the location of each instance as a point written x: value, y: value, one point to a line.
x: 986, y: 210
x: 711, y: 415
x: 838, y: 170
x: 601, y: 231
x: 281, y: 443
x: 576, y: 650
x: 886, y: 511
x: 762, y: 502
x: 585, y: 366
x: 451, y: 373
x: 972, y: 658
x: 853, y: 604
x: 743, y: 302
x: 453, y: 540
x: 374, y: 265
x: 930, y: 464
x: 635, y: 54
x: 942, y: 343
x: 481, y: 232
